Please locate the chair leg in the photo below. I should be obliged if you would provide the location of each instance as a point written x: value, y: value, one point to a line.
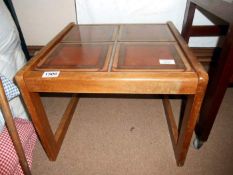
x: 13, y: 131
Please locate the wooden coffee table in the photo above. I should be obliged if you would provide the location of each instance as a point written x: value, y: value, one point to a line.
x: 114, y: 59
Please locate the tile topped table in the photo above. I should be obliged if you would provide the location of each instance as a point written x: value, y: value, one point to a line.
x: 114, y: 59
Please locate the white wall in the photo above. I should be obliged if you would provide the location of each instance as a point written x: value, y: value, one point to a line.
x: 42, y: 19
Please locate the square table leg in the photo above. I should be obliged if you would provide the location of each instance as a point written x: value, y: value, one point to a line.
x: 188, y: 123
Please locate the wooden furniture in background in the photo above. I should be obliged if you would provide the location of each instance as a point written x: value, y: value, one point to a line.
x: 115, y: 59
x: 5, y: 108
x: 221, y: 72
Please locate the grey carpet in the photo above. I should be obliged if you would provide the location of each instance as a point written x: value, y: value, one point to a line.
x: 117, y: 136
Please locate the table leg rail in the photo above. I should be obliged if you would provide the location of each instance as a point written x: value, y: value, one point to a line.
x: 65, y: 121
x: 173, y: 129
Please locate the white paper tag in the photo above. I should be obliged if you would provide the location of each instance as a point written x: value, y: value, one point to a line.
x: 167, y: 61
x: 51, y: 74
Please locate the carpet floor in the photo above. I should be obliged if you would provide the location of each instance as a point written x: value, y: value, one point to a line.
x: 129, y: 136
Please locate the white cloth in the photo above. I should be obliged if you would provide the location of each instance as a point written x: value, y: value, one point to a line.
x: 11, y: 57
x: 130, y: 11
x: 141, y: 11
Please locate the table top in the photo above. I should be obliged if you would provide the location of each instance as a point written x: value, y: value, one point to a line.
x: 147, y: 47
x: 116, y: 53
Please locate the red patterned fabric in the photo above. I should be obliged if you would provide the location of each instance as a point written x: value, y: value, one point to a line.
x: 9, y: 161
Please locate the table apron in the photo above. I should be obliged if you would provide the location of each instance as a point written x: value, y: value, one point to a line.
x: 132, y: 86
